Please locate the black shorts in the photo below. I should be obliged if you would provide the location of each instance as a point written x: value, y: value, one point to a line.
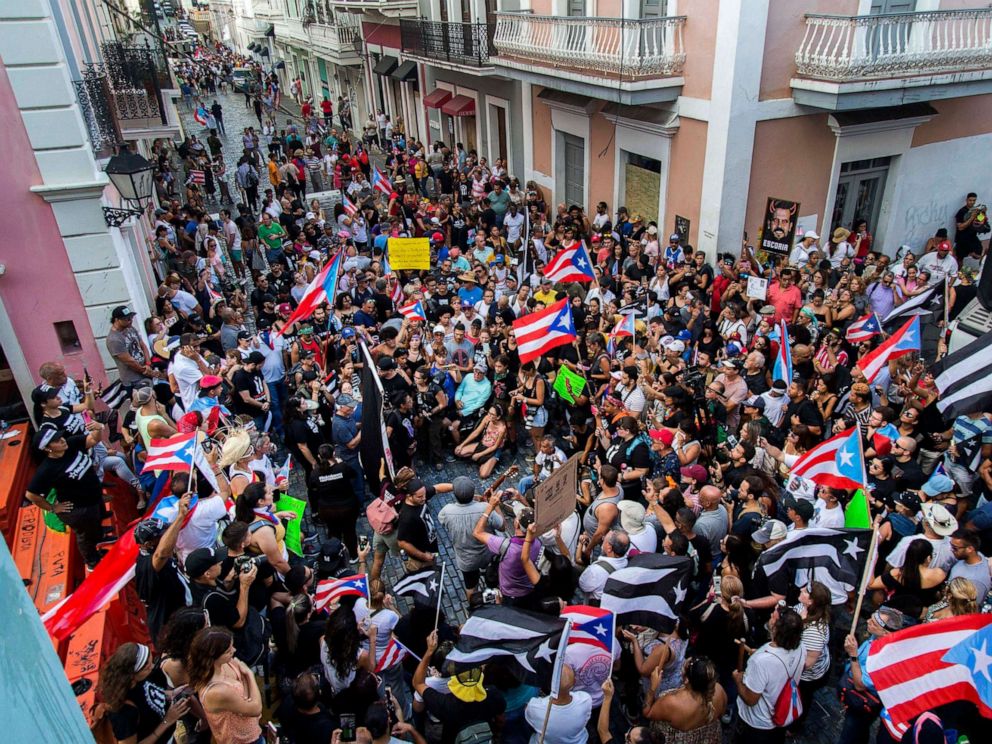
x: 471, y: 578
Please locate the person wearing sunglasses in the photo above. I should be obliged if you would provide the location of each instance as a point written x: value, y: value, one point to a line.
x: 856, y: 683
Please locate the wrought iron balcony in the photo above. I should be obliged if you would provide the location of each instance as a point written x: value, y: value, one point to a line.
x: 95, y: 105
x: 136, y: 78
x: 594, y: 46
x: 895, y: 45
x: 458, y: 43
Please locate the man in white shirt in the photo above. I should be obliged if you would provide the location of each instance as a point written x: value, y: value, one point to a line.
x: 570, y: 712
x: 201, y: 528
x: 614, y: 557
x: 187, y: 368
x: 776, y: 401
x: 513, y: 223
x: 827, y: 511
x: 941, y: 263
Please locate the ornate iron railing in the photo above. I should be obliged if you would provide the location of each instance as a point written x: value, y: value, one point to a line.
x: 94, y: 97
x: 615, y: 46
x: 462, y: 43
x: 135, y: 82
x: 851, y: 48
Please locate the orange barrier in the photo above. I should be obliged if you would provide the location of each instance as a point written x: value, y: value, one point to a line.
x: 16, y: 469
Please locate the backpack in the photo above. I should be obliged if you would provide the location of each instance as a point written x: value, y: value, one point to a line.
x: 382, y: 516
x: 788, y: 704
x: 251, y: 180
x: 476, y: 733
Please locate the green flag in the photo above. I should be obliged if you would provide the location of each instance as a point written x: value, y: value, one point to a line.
x: 856, y: 513
x: 575, y: 381
x: 286, y: 502
x: 52, y: 520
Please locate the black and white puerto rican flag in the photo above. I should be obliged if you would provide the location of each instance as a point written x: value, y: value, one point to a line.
x: 930, y: 301
x: 114, y: 395
x: 835, y: 557
x: 496, y: 631
x: 650, y: 591
x: 964, y: 379
x: 420, y: 585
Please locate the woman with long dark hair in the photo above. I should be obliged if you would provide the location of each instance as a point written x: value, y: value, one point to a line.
x: 134, y: 690
x: 916, y: 577
x: 268, y: 535
x: 690, y: 713
x: 333, y: 498
x: 174, y: 641
x: 347, y: 666
x: 226, y: 686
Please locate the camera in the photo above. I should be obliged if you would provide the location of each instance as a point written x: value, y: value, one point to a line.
x: 243, y: 563
x: 731, y: 441
x: 490, y: 596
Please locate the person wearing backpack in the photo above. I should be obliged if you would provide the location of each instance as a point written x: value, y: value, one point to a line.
x: 768, y: 688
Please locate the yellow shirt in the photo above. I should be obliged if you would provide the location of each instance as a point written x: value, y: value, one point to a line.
x: 548, y: 298
x: 274, y: 177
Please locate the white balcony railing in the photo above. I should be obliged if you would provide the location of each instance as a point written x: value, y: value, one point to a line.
x: 852, y: 48
x: 615, y: 46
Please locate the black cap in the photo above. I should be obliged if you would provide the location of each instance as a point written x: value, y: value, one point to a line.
x: 386, y: 363
x: 44, y: 392
x: 243, y: 335
x: 149, y: 529
x: 200, y: 560
x: 121, y: 312
x: 802, y: 507
x: 194, y: 319
x: 256, y: 357
x: 47, y: 434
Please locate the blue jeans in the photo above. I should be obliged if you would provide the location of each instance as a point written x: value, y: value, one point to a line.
x: 526, y: 483
x: 279, y: 394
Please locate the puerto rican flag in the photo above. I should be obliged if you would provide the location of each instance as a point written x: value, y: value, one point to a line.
x: 904, y: 341
x: 783, y: 359
x: 838, y: 462
x: 197, y: 177
x: 320, y: 290
x: 349, y: 206
x: 542, y: 331
x: 213, y: 294
x: 592, y: 625
x: 396, y: 293
x: 282, y: 475
x: 380, y: 182
x: 570, y: 265
x: 623, y: 329
x: 330, y: 590
x: 395, y: 653
x: 924, y: 666
x: 864, y: 328
x: 413, y: 311
x: 200, y: 116
x: 180, y: 453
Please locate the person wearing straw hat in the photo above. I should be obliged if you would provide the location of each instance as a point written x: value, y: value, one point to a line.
x: 632, y: 515
x: 838, y: 248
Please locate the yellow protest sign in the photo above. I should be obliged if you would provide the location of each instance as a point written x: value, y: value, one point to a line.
x: 409, y: 253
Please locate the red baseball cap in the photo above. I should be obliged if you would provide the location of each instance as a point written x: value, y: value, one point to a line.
x: 663, y: 435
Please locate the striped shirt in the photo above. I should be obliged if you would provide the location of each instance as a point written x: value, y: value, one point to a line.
x: 969, y: 436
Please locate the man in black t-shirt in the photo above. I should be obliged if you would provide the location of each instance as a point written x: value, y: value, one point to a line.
x: 801, y: 410
x: 251, y: 393
x: 399, y: 429
x: 968, y: 222
x: 227, y: 607
x: 161, y: 586
x: 415, y: 530
x: 71, y: 472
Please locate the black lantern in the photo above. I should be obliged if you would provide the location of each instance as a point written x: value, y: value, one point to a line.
x: 280, y: 65
x: 264, y: 52
x: 131, y: 175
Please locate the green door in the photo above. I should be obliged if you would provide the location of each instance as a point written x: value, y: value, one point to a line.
x: 325, y: 88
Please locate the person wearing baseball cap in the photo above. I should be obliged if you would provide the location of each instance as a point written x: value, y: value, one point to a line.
x: 250, y: 395
x: 129, y: 349
x: 156, y: 573
x: 71, y: 472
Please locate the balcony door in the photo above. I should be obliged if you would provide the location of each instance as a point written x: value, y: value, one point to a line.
x: 654, y: 8
x: 572, y: 168
x: 884, y: 40
x: 860, y: 190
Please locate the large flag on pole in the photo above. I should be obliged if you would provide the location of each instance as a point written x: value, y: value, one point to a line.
x: 570, y: 265
x: 331, y: 590
x: 320, y: 290
x: 375, y: 444
x: 924, y: 303
x: 838, y: 462
x: 424, y: 583
x: 625, y: 328
x: 529, y: 639
x: 180, y: 453
x: 904, y: 341
x: 925, y: 666
x: 591, y: 625
x: 542, y: 331
x: 380, y: 182
x: 833, y: 556
x: 963, y: 379
x: 649, y: 591
x: 864, y: 328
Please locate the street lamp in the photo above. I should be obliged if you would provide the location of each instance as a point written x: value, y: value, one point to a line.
x: 131, y: 175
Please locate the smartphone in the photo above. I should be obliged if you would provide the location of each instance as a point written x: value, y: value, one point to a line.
x: 348, y: 732
x: 271, y: 735
x: 363, y: 542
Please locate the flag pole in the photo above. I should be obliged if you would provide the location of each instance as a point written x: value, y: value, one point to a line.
x: 440, y: 593
x: 866, y: 575
x: 556, y: 677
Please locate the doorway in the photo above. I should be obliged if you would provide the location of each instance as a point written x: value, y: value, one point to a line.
x: 572, y: 167
x: 859, y: 192
x: 498, y: 134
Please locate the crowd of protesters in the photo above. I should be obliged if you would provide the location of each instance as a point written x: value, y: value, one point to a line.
x: 685, y: 443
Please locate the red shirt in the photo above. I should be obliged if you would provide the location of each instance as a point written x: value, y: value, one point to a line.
x: 785, y: 301
x: 306, y: 109
x: 327, y: 107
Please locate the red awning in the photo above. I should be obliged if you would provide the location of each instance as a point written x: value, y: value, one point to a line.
x: 459, y: 106
x: 437, y: 98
